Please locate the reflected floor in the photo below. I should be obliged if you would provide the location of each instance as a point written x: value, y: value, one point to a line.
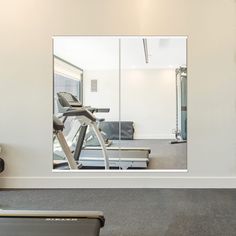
x: 163, y: 154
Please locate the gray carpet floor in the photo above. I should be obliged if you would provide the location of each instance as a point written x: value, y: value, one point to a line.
x: 163, y: 154
x: 140, y: 212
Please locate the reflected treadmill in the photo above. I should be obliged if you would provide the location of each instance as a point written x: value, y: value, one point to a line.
x: 48, y: 223
x: 91, y: 156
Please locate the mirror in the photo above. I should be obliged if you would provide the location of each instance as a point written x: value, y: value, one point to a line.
x: 120, y: 103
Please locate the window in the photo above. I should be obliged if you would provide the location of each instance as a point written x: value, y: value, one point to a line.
x: 67, y: 78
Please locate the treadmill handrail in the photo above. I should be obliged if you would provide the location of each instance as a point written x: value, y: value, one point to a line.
x: 54, y: 214
x: 80, y: 112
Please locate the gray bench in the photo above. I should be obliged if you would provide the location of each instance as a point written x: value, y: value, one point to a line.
x: 111, y: 128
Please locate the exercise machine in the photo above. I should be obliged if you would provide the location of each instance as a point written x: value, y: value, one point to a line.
x: 90, y: 156
x: 181, y: 106
x: 58, y: 127
x: 86, y: 119
x: 2, y: 164
x: 48, y: 223
x: 66, y: 100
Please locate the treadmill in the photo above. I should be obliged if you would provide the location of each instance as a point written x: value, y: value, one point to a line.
x: 48, y: 223
x: 2, y: 164
x: 91, y: 156
x: 86, y: 119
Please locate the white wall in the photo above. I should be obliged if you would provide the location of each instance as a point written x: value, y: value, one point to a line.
x: 147, y: 98
x: 26, y: 30
x: 107, y: 95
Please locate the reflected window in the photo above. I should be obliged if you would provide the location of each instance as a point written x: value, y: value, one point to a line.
x: 67, y: 78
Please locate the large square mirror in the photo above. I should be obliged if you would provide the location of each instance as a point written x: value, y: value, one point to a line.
x: 120, y: 103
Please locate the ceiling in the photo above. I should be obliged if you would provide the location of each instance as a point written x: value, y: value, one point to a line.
x: 99, y: 53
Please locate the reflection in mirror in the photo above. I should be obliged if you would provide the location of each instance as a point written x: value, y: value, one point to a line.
x: 154, y: 100
x: 120, y: 103
x: 82, y: 105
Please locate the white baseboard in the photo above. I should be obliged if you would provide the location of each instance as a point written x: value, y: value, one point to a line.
x: 118, y: 182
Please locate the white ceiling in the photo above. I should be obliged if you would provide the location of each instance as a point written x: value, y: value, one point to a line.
x: 95, y: 53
